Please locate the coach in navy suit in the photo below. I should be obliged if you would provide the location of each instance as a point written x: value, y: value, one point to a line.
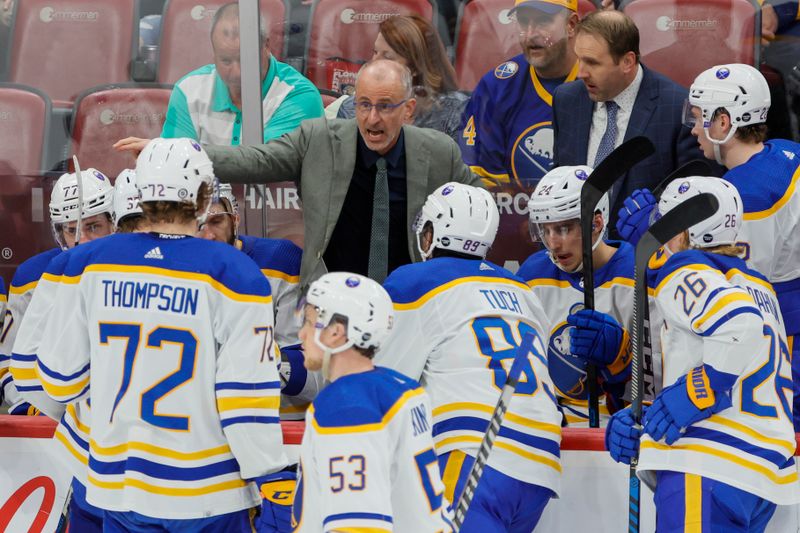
x: 617, y: 98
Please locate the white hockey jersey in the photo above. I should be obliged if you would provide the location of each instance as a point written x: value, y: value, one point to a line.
x: 719, y: 313
x: 561, y: 293
x: 367, y: 461
x: 458, y: 324
x: 767, y: 183
x: 25, y: 281
x: 186, y: 326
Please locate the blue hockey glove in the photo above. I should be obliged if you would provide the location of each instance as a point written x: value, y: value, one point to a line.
x: 633, y: 219
x: 688, y: 400
x: 24, y: 409
x: 292, y: 371
x: 277, y: 493
x: 599, y: 339
x: 622, y: 436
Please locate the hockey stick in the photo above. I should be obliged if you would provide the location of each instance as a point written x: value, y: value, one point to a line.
x: 695, y: 167
x: 600, y: 181
x: 79, y: 222
x: 491, y: 433
x: 63, y: 520
x: 682, y: 217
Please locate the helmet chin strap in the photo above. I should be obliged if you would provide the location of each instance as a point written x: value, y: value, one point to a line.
x: 327, y: 352
x: 717, y: 143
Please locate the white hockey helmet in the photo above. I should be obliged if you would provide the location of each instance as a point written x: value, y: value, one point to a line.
x: 98, y: 198
x: 126, y: 196
x: 557, y: 198
x: 720, y: 228
x: 464, y: 219
x: 738, y: 88
x: 360, y: 302
x: 173, y: 170
x: 228, y: 199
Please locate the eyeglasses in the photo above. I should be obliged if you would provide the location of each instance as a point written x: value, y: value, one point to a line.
x: 382, y: 108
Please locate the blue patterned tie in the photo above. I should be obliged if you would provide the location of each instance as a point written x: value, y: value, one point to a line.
x: 378, y: 265
x: 610, y: 136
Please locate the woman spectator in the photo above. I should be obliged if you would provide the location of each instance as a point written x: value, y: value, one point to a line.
x: 412, y: 41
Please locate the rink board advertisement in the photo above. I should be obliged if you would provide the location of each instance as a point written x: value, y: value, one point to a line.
x: 33, y: 485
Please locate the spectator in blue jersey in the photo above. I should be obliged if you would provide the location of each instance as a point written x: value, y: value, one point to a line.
x: 413, y: 42
x: 617, y: 98
x: 206, y: 104
x: 507, y: 132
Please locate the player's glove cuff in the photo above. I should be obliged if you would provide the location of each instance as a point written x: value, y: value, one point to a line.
x: 292, y: 371
x: 619, y: 371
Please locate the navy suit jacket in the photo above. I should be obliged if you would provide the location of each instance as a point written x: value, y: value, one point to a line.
x: 657, y: 114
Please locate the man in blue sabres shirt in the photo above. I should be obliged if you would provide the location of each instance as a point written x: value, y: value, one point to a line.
x: 507, y: 137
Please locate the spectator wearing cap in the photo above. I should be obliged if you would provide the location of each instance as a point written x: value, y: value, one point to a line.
x: 617, y: 98
x: 507, y: 133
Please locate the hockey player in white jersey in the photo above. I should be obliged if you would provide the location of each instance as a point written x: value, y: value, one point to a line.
x: 718, y: 442
x: 727, y: 110
x: 128, y: 216
x: 31, y: 304
x: 186, y: 326
x: 367, y: 461
x: 579, y: 336
x: 459, y: 321
x: 279, y: 261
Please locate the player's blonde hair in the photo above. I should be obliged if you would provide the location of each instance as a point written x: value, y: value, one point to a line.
x: 177, y: 212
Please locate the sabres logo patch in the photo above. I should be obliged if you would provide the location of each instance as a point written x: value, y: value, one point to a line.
x: 506, y: 70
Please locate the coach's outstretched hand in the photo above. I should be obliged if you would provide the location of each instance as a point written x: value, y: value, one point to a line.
x: 131, y: 144
x: 622, y: 436
x: 634, y: 217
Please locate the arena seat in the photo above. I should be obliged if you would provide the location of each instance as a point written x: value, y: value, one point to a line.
x: 328, y: 96
x: 486, y: 36
x: 24, y: 123
x: 701, y: 33
x: 64, y: 46
x: 342, y: 34
x: 105, y: 114
x: 186, y: 34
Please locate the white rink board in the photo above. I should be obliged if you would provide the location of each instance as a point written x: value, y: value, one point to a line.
x: 594, y: 491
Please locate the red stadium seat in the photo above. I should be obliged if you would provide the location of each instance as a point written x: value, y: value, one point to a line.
x: 186, y: 34
x: 24, y: 123
x: 65, y: 46
x: 328, y: 97
x: 25, y: 219
x: 681, y: 38
x: 105, y: 114
x: 486, y: 36
x: 342, y: 34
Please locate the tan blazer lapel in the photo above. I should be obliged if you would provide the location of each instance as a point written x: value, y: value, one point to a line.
x: 417, y: 163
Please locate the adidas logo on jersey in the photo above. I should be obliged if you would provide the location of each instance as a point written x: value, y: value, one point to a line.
x: 484, y: 266
x: 789, y: 154
x: 155, y: 253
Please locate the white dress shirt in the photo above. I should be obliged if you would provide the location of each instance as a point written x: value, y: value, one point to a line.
x: 625, y: 101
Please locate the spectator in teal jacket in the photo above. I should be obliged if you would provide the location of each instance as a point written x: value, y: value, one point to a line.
x: 206, y: 103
